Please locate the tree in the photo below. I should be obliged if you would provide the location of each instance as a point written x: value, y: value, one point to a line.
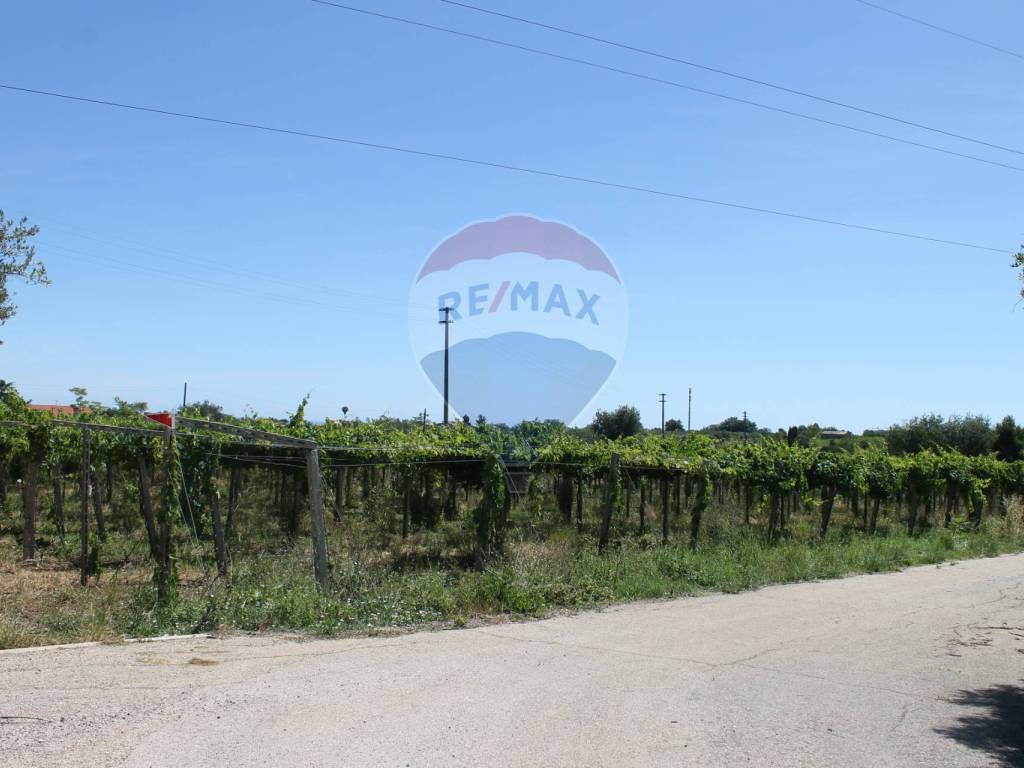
x: 10, y: 397
x: 673, y: 425
x: 82, y: 401
x: 17, y: 259
x: 970, y: 435
x: 921, y: 433
x: 622, y: 422
x: 128, y: 407
x: 733, y: 424
x: 213, y: 412
x: 1009, y: 442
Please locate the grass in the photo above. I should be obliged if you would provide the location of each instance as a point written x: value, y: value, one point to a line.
x: 423, y: 581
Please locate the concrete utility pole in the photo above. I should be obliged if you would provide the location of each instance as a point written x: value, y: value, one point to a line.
x: 689, y: 408
x: 184, y: 396
x: 446, y: 322
x: 662, y: 400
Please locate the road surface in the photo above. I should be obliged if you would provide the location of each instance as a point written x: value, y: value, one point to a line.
x: 920, y: 668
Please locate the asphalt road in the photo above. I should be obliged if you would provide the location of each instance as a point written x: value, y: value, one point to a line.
x: 920, y: 668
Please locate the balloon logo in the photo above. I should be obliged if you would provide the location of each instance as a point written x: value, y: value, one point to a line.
x: 538, y: 314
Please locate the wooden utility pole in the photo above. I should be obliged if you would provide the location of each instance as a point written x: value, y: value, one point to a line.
x: 84, y: 577
x: 661, y: 398
x: 447, y: 321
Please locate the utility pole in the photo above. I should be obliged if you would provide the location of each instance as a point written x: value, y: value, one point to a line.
x: 424, y: 418
x: 184, y: 396
x: 446, y: 322
x: 662, y: 397
x: 689, y: 408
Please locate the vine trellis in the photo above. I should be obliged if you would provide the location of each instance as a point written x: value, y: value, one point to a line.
x: 654, y: 478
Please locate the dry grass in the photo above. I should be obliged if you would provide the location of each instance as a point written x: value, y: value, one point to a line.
x: 42, y: 602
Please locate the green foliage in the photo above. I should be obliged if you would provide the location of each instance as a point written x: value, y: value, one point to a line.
x: 882, y: 476
x: 624, y: 421
x: 298, y: 418
x: 279, y: 593
x: 970, y: 435
x: 521, y: 442
x: 209, y: 411
x: 1009, y: 440
x: 17, y: 260
x: 732, y: 424
x: 165, y: 573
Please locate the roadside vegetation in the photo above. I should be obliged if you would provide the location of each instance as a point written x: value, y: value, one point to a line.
x: 423, y: 583
x: 430, y: 526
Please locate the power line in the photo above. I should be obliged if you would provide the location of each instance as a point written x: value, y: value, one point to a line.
x: 123, y: 265
x: 675, y: 84
x: 207, y: 263
x: 503, y: 167
x: 936, y: 27
x: 723, y: 72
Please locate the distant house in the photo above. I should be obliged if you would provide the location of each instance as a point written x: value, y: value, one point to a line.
x: 61, y: 410
x: 833, y: 434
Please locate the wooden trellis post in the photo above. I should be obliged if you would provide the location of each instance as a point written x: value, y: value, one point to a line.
x: 146, y: 502
x: 84, y: 578
x: 316, y: 513
x: 606, y: 519
x: 316, y: 496
x: 406, y: 508
x: 664, y: 510
x: 219, y: 544
x: 579, y: 500
x: 164, y: 569
x: 30, y: 501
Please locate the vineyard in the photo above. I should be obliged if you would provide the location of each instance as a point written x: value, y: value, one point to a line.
x: 346, y: 524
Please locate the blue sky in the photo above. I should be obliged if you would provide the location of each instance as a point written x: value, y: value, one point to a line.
x: 259, y: 267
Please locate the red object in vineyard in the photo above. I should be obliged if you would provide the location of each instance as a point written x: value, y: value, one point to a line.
x: 163, y: 417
